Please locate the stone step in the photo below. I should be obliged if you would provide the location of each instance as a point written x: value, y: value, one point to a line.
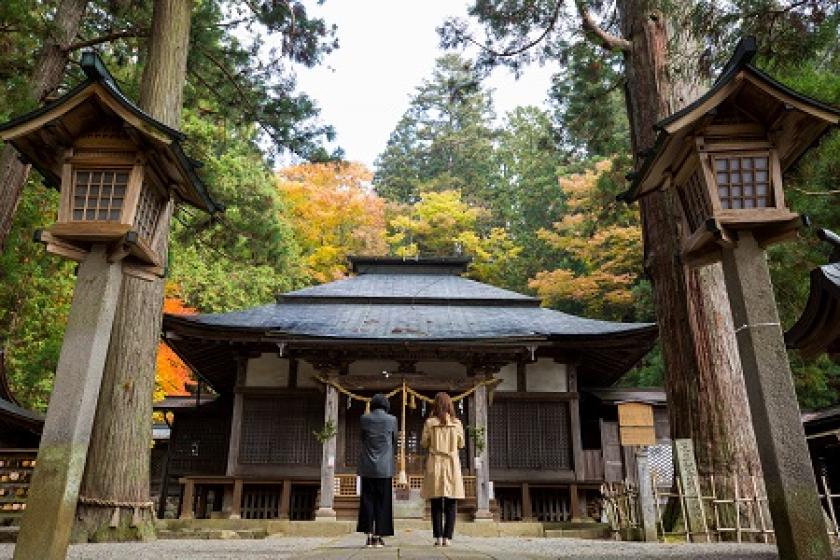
x: 589, y: 533
x: 211, y: 534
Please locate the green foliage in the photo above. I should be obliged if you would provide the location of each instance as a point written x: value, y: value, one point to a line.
x: 246, y: 255
x: 326, y: 433
x: 444, y: 141
x: 35, y: 294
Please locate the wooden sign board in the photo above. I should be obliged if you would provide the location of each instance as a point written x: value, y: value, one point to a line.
x: 635, y: 421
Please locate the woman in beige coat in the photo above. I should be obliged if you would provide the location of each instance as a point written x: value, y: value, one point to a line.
x: 443, y: 436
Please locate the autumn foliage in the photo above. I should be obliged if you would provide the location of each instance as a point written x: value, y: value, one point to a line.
x: 172, y: 376
x: 601, y: 239
x: 334, y: 213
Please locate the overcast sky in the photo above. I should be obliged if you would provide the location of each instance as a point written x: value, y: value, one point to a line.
x: 387, y: 47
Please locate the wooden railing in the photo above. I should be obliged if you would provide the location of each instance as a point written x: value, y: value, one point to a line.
x: 347, y: 485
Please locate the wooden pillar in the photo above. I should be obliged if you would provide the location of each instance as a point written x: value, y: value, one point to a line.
x: 286, y: 499
x: 188, y: 500
x: 482, y: 460
x: 325, y: 507
x: 236, y: 417
x: 54, y: 489
x: 236, y: 500
x: 574, y: 502
x: 527, y: 508
x: 574, y: 423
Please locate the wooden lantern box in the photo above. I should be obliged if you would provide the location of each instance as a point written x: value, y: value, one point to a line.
x: 724, y: 155
x: 120, y: 172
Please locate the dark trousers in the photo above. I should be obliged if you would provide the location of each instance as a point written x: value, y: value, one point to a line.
x: 376, y: 513
x: 443, y: 517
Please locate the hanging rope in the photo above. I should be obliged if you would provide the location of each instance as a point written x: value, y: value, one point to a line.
x: 406, y: 392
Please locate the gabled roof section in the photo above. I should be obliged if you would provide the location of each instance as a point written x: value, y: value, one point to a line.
x: 41, y: 134
x: 794, y: 121
x: 416, y: 265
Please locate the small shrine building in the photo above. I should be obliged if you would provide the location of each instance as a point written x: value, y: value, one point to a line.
x: 528, y: 381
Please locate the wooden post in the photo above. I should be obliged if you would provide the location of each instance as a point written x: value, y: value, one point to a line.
x: 187, y: 501
x: 789, y: 478
x: 236, y: 417
x: 236, y: 500
x: 482, y: 460
x: 647, y: 505
x: 574, y: 417
x: 686, y: 468
x: 325, y: 510
x: 54, y: 491
x: 527, y: 508
x: 286, y: 499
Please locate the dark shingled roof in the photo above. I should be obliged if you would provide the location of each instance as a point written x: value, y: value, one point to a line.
x: 387, y: 307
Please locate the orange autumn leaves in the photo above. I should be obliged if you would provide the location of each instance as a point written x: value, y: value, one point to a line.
x: 601, y: 238
x: 172, y: 377
x: 334, y: 213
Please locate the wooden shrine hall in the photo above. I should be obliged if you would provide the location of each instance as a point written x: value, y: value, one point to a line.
x: 289, y: 371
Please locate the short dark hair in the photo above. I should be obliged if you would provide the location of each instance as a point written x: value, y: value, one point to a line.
x: 379, y: 401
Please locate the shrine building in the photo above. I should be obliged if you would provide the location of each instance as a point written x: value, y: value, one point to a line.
x: 533, y: 387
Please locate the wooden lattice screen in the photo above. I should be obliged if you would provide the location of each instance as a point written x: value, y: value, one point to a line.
x: 200, y: 443
x: 695, y: 201
x: 526, y: 434
x: 148, y: 211
x: 98, y: 195
x: 278, y: 430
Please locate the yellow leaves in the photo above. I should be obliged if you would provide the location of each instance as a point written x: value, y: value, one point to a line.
x: 334, y: 212
x: 172, y: 376
x: 602, y: 241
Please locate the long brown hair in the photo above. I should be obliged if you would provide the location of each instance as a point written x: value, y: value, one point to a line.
x: 442, y: 407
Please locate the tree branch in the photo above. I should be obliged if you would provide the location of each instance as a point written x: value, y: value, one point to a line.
x: 816, y: 193
x: 107, y: 38
x: 555, y: 16
x: 609, y: 41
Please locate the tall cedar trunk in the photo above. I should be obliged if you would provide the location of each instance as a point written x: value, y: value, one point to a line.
x: 46, y: 77
x: 118, y: 460
x: 703, y: 378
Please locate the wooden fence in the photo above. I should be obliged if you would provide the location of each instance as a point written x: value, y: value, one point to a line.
x: 730, y: 509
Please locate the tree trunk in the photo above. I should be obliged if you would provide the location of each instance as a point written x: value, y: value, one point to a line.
x: 46, y: 77
x: 703, y: 378
x: 119, y: 456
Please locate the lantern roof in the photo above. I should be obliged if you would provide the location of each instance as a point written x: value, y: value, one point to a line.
x: 42, y: 135
x: 742, y: 93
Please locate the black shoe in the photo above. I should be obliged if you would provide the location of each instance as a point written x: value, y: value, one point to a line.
x: 379, y: 543
x: 369, y: 543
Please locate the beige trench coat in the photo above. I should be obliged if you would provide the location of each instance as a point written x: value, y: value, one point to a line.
x: 443, y: 466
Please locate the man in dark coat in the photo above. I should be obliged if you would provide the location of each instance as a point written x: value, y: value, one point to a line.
x: 376, y: 469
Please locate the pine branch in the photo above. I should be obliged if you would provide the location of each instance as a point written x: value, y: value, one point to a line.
x: 609, y: 41
x: 125, y: 33
x: 555, y: 16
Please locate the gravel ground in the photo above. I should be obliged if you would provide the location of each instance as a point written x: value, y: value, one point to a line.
x: 408, y: 545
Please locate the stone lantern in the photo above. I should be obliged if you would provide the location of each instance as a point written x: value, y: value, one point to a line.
x: 120, y: 172
x: 723, y: 157
x: 725, y: 154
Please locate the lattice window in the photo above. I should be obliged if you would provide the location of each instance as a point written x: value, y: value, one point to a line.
x: 98, y: 195
x: 261, y: 501
x: 148, y: 211
x: 278, y: 430
x: 529, y: 435
x: 662, y: 463
x: 743, y: 181
x: 200, y: 444
x: 694, y: 200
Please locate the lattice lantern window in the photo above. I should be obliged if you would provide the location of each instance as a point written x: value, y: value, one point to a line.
x: 110, y: 195
x: 723, y: 191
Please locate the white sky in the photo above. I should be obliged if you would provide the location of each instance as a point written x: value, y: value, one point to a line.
x: 386, y: 48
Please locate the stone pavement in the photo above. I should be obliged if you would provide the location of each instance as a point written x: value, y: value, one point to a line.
x: 408, y: 545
